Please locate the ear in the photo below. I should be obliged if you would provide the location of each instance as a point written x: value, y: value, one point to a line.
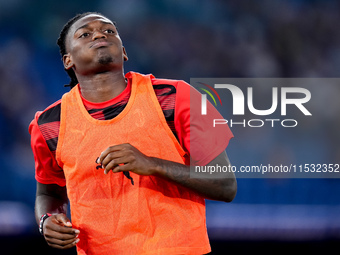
x: 67, y: 60
x: 125, y: 55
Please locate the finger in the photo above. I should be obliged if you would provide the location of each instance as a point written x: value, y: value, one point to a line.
x: 106, y: 152
x: 54, y: 226
x: 108, y: 168
x: 122, y: 168
x: 113, y: 164
x: 63, y: 245
x: 110, y: 149
x: 59, y: 241
x: 116, y: 165
x: 58, y: 235
x: 62, y: 218
x: 114, y: 158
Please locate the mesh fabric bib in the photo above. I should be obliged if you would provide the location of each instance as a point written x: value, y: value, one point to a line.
x: 153, y: 216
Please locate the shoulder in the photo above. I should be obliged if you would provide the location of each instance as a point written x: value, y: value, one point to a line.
x: 168, y: 86
x: 50, y: 114
x: 45, y: 126
x: 44, y: 130
x: 178, y: 84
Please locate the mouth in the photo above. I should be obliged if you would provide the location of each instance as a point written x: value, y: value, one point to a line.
x: 100, y: 44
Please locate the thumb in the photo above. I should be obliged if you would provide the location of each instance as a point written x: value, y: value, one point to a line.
x: 62, y: 218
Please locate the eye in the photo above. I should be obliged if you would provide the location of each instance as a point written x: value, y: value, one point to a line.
x: 86, y: 34
x: 109, y: 31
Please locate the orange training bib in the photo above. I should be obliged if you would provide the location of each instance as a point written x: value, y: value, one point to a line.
x: 153, y: 216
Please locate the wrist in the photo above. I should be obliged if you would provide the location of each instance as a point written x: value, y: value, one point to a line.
x: 156, y: 167
x: 41, y: 222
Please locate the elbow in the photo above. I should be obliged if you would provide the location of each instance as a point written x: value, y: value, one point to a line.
x: 230, y: 191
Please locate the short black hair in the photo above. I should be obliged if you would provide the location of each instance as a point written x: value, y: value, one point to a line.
x: 62, y: 43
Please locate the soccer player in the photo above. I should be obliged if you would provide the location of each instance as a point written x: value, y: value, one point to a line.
x: 118, y: 148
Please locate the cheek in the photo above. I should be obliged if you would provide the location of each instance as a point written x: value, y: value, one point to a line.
x: 81, y: 55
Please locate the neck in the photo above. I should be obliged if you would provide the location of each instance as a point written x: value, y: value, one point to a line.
x: 101, y: 87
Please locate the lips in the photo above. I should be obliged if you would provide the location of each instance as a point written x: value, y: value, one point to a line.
x: 100, y: 44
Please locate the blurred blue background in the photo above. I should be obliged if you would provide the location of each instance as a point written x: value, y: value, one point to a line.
x: 179, y: 40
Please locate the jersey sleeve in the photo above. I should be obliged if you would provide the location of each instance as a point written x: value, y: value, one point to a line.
x: 195, y: 132
x: 47, y: 170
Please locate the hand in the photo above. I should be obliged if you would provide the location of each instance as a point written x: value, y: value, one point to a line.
x: 58, y: 232
x: 125, y: 157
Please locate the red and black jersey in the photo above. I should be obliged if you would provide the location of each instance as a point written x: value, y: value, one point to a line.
x: 173, y: 97
x: 49, y: 120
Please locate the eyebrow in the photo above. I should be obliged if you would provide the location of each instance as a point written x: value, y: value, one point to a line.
x: 86, y: 25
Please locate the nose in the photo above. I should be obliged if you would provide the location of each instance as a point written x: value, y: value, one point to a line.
x: 98, y: 35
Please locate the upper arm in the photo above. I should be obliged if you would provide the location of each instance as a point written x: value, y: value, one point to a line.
x: 47, y: 170
x: 222, y: 159
x: 196, y: 132
x: 52, y: 190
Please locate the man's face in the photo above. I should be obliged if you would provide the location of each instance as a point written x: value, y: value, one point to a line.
x: 93, y: 45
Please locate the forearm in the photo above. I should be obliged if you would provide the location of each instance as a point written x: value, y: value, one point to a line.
x: 49, y: 201
x: 47, y: 204
x: 125, y: 157
x: 221, y: 189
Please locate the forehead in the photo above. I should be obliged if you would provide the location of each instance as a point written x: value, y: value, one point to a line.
x: 88, y: 19
x: 83, y: 22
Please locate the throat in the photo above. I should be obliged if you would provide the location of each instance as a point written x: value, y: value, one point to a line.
x: 102, y: 87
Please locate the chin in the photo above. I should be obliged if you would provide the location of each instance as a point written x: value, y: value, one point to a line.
x: 104, y: 60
